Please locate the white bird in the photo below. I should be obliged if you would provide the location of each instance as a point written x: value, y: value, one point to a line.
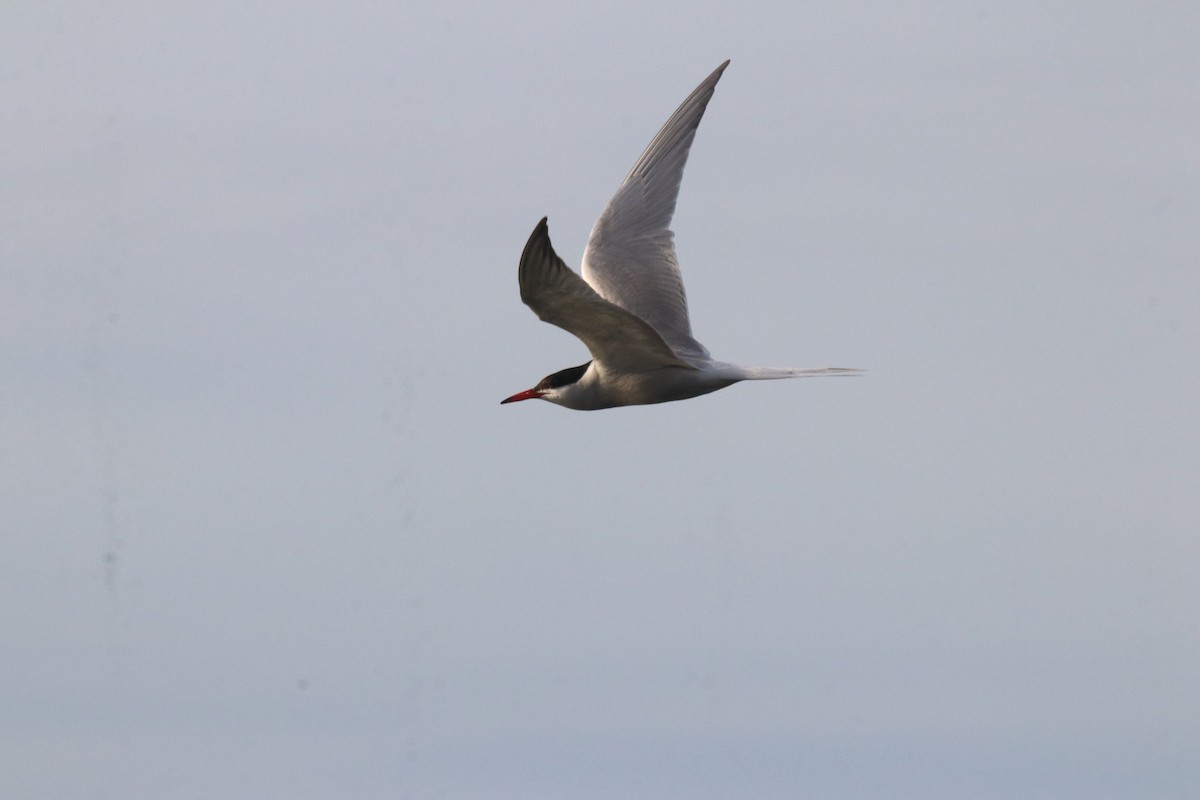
x: 629, y: 307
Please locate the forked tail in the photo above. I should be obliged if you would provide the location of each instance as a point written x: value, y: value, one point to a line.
x: 776, y: 373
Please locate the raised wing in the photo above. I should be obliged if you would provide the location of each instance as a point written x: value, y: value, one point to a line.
x: 617, y: 339
x: 630, y: 256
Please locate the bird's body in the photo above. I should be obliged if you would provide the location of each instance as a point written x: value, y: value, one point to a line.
x: 629, y: 307
x: 598, y: 387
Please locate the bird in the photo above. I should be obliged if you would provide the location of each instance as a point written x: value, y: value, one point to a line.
x: 629, y: 307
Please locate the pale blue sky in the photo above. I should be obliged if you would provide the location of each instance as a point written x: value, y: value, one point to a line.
x: 269, y: 533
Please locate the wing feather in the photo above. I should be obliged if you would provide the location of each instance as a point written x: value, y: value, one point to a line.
x: 617, y: 339
x: 630, y: 256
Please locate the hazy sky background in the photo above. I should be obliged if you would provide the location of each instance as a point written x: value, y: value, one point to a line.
x: 268, y: 532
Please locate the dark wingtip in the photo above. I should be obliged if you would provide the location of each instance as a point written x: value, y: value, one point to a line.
x: 540, y: 231
x: 540, y: 236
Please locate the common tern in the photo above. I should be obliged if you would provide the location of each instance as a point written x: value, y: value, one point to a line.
x: 629, y: 307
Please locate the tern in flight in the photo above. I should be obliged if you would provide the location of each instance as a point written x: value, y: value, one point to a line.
x: 629, y: 307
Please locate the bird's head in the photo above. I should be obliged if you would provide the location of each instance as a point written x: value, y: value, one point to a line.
x: 554, y: 388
